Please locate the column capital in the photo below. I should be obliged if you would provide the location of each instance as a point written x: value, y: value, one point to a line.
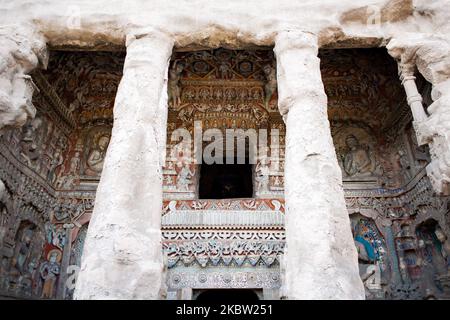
x: 295, y: 40
x: 298, y: 70
x: 147, y: 47
x: 406, y: 71
x: 404, y: 50
x: 147, y: 34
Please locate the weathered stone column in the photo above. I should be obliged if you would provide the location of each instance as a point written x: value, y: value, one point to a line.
x: 320, y: 260
x: 122, y: 257
x: 413, y: 97
x: 430, y: 54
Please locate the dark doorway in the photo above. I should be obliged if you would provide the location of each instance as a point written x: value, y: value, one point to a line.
x: 225, y: 181
x: 220, y: 295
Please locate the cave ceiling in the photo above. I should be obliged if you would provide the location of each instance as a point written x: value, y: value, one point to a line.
x: 361, y: 84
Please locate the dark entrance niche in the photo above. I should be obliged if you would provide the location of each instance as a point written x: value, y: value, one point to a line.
x: 221, y: 295
x: 225, y: 181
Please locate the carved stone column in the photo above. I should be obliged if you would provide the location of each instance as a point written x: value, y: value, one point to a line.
x: 122, y: 257
x: 430, y: 54
x: 406, y: 73
x: 320, y: 260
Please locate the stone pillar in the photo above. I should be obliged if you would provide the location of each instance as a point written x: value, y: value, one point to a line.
x: 413, y: 97
x: 430, y: 54
x: 122, y: 257
x: 320, y: 260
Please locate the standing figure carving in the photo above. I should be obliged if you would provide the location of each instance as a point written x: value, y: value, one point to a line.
x: 75, y: 163
x: 174, y: 84
x: 262, y: 175
x: 49, y: 272
x: 225, y: 70
x: 55, y: 163
x: 30, y: 144
x: 23, y: 262
x: 22, y: 252
x: 271, y: 85
x: 184, y: 178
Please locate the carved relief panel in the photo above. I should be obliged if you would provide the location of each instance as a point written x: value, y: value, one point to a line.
x: 40, y: 145
x: 373, y: 254
x: 220, y: 90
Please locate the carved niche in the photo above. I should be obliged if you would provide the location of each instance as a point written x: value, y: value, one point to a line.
x: 19, y: 267
x: 223, y: 88
x: 373, y: 259
x: 357, y: 154
x: 96, y: 144
x: 220, y: 89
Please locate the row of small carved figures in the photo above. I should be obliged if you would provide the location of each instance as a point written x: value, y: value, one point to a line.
x: 191, y: 94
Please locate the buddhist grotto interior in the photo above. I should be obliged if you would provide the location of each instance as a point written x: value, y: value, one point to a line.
x: 223, y: 207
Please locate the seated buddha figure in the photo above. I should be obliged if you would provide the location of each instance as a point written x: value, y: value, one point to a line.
x: 358, y: 161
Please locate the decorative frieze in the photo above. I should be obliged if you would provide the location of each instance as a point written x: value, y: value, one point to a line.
x: 230, y: 277
x: 266, y: 214
x: 223, y: 253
